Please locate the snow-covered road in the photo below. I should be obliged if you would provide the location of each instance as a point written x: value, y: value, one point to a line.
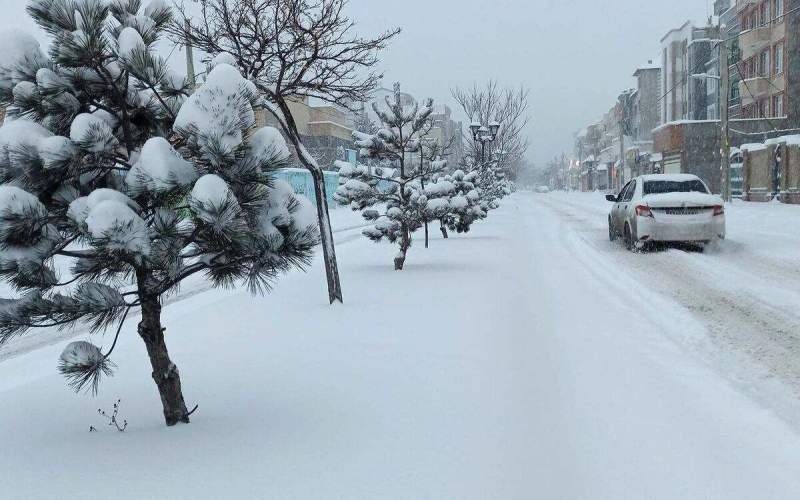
x: 526, y: 360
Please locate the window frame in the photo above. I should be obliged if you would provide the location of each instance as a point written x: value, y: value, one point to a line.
x: 764, y: 63
x: 629, y: 192
x: 779, y: 59
x: 778, y: 10
x: 778, y: 105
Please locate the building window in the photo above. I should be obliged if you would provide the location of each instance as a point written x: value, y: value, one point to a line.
x: 762, y: 108
x: 763, y: 63
x: 779, y: 58
x: 745, y: 69
x: 777, y: 106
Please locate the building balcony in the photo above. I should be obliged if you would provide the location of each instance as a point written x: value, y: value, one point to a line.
x: 754, y: 89
x: 754, y: 41
x: 744, y: 4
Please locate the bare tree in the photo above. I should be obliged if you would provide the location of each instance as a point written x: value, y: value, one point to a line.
x: 292, y: 50
x: 506, y: 106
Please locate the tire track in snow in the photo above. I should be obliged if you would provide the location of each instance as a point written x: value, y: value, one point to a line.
x: 750, y: 312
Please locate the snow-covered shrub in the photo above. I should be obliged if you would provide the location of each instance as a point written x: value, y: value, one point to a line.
x: 112, y: 170
x: 468, y: 203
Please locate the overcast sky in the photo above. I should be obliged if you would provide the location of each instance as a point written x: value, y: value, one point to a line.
x: 574, y: 55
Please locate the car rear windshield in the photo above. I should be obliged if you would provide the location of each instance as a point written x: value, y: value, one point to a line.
x: 661, y: 187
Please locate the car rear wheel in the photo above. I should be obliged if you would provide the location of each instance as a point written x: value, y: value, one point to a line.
x: 612, y: 235
x: 628, y: 238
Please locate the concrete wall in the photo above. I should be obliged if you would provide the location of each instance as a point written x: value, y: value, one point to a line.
x: 790, y: 174
x: 758, y: 181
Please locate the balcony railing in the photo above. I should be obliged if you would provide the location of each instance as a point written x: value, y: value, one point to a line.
x: 755, y: 40
x: 744, y: 4
x: 754, y: 89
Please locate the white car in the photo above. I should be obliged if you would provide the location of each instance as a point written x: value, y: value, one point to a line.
x: 666, y: 208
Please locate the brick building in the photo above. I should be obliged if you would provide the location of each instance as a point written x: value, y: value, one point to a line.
x: 769, y: 44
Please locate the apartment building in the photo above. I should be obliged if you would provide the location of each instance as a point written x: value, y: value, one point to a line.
x: 726, y: 18
x: 646, y: 102
x: 769, y: 48
x: 447, y: 133
x: 685, y: 51
x: 326, y: 130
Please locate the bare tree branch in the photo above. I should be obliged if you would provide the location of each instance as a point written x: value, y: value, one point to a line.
x: 507, y: 106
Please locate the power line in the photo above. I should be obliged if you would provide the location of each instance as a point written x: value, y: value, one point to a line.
x: 747, y: 86
x: 786, y: 130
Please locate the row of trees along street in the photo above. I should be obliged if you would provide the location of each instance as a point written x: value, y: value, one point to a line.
x: 122, y: 179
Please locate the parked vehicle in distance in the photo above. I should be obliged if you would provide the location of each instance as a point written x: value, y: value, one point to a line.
x: 675, y: 208
x: 542, y: 189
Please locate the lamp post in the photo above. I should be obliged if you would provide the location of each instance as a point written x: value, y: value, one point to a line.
x: 484, y: 134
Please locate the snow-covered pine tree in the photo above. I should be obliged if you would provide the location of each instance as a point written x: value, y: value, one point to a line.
x: 363, y: 123
x: 458, y: 201
x: 117, y: 185
x: 399, y: 209
x: 493, y: 182
x: 439, y: 192
x: 433, y: 210
x: 468, y: 203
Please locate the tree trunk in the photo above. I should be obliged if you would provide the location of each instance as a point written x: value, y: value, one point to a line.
x: 444, y: 231
x: 399, y: 261
x: 165, y: 373
x: 326, y: 235
x: 323, y: 216
x: 405, y: 243
x: 426, y: 234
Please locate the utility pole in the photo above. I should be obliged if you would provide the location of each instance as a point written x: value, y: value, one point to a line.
x: 620, y: 180
x: 725, y: 90
x: 422, y: 182
x: 189, y: 57
x: 624, y: 102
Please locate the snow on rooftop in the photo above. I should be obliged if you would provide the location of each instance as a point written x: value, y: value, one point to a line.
x: 682, y: 122
x: 670, y: 177
x: 790, y: 140
x: 753, y: 147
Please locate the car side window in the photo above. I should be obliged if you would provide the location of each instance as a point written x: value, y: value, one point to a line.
x: 629, y: 191
x: 622, y: 192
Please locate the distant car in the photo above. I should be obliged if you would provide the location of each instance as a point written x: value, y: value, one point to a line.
x: 666, y: 208
x: 542, y: 189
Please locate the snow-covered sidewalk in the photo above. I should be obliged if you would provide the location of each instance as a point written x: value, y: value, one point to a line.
x: 505, y: 364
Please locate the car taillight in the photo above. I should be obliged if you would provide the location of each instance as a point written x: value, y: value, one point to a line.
x: 643, y: 211
x: 719, y: 210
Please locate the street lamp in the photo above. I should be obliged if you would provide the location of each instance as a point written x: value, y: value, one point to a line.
x: 485, y: 135
x: 474, y: 128
x: 494, y: 128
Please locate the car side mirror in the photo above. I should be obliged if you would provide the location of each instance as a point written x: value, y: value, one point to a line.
x: 611, y: 198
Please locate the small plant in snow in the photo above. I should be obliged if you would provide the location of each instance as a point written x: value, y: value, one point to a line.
x: 116, y: 185
x: 112, y: 418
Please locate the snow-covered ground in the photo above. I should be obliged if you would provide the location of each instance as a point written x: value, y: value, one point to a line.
x: 529, y: 359
x: 745, y: 291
